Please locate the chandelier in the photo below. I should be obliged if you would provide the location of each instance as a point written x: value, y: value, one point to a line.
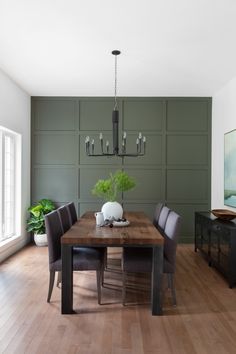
x: 105, y: 146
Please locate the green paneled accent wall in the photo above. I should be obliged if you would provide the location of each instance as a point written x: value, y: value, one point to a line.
x: 175, y: 169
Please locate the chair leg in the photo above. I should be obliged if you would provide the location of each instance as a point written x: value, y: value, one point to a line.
x: 105, y: 258
x: 58, y: 278
x: 99, y: 284
x: 168, y: 281
x: 172, y: 287
x: 102, y: 276
x: 124, y: 278
x: 51, y: 283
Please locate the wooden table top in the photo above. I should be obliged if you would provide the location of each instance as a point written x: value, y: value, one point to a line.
x: 139, y: 232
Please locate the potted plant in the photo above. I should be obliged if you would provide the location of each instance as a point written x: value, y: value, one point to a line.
x: 36, y: 222
x: 108, y: 189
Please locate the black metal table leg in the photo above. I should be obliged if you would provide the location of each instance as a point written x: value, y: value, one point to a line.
x: 67, y: 280
x: 157, y: 272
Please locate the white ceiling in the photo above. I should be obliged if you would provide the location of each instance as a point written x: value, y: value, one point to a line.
x: 169, y: 47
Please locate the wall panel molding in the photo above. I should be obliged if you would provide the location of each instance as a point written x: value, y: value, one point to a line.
x: 176, y: 169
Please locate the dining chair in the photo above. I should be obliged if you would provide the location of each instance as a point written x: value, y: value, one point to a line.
x: 72, y: 212
x: 83, y: 258
x: 64, y: 216
x: 163, y: 218
x: 157, y: 213
x: 65, y: 220
x: 140, y: 259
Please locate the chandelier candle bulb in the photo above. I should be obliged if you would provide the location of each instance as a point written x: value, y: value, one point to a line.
x: 107, y: 146
x: 137, y: 144
x: 140, y: 142
x: 92, y: 143
x: 144, y: 144
x: 87, y: 144
x: 101, y: 141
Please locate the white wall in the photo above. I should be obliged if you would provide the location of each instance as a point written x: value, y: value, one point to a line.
x: 15, y: 115
x: 223, y: 120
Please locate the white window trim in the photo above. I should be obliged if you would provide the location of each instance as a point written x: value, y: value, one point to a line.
x: 17, y: 185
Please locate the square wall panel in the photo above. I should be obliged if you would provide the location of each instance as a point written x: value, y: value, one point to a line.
x: 187, y: 115
x: 55, y: 149
x: 187, y: 185
x: 55, y: 114
x: 187, y: 149
x: 96, y: 115
x: 142, y: 115
x: 148, y: 185
x: 56, y: 183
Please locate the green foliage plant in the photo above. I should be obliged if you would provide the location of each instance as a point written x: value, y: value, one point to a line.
x: 36, y: 222
x: 108, y: 189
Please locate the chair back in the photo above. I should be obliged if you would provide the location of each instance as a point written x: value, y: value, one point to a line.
x: 157, y: 212
x: 64, y: 217
x: 72, y: 213
x: 171, y: 234
x: 54, y: 232
x: 162, y: 218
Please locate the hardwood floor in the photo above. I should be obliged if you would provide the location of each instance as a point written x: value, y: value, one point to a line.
x: 203, y: 322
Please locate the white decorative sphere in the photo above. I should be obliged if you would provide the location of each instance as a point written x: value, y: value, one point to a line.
x: 112, y: 210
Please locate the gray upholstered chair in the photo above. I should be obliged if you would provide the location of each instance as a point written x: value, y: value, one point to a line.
x: 83, y: 258
x: 162, y: 218
x: 72, y: 212
x: 64, y: 216
x: 140, y: 259
x: 68, y: 217
x: 157, y: 213
x: 65, y: 220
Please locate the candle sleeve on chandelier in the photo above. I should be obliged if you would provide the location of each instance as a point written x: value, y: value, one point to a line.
x: 87, y: 144
x: 107, y: 146
x: 101, y: 141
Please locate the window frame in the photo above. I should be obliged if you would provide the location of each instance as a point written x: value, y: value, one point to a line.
x: 15, y: 140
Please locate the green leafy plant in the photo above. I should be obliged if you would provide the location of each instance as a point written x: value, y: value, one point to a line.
x: 108, y: 189
x: 36, y: 222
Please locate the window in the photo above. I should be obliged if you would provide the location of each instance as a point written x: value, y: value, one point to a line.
x: 9, y: 183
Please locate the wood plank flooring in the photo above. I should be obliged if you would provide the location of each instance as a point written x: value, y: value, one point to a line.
x: 203, y: 322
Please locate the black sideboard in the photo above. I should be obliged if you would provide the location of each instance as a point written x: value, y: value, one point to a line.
x: 216, y: 239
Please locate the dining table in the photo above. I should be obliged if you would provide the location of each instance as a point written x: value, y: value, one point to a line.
x: 139, y: 233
